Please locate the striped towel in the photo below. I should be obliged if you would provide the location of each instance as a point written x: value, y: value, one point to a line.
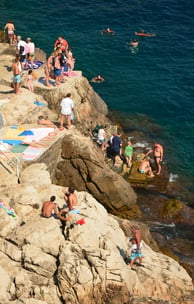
x: 31, y: 153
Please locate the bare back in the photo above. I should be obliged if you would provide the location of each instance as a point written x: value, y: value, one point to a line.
x: 48, y: 208
x: 10, y: 27
x: 72, y: 201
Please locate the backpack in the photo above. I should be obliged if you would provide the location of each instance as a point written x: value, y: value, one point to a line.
x: 62, y: 60
x: 21, y: 50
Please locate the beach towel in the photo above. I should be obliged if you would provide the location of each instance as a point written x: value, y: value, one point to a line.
x: 12, y: 142
x: 26, y: 132
x: 36, y: 64
x: 39, y: 133
x: 13, y: 134
x: 75, y: 211
x: 19, y: 148
x: 31, y: 153
x: 38, y: 103
x: 6, y: 207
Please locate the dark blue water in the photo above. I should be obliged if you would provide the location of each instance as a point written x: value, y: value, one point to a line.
x: 154, y: 85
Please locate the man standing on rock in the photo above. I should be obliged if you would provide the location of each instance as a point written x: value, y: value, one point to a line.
x: 158, y: 156
x: 116, y: 148
x: 138, y: 240
x: 67, y: 108
x: 21, y: 48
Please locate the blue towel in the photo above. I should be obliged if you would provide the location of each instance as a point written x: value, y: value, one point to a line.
x: 12, y: 142
x: 38, y: 103
x: 75, y: 211
x: 26, y: 132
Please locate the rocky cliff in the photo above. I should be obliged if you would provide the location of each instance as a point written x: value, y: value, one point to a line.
x: 84, y: 165
x: 44, y: 262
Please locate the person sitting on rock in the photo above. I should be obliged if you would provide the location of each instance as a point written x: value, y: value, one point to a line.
x: 49, y: 208
x: 71, y: 199
x: 145, y: 167
x: 46, y: 122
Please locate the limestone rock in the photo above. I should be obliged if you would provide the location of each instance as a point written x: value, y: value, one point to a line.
x: 39, y: 177
x: 4, y: 284
x: 83, y: 166
x: 82, y: 263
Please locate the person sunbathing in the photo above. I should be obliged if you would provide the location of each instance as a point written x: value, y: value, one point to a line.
x: 46, y: 122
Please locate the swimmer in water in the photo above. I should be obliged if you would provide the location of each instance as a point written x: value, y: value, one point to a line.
x: 142, y: 33
x: 107, y: 31
x: 134, y: 43
x: 98, y: 78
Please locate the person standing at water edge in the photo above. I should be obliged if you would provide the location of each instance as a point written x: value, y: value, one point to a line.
x: 129, y: 153
x: 10, y: 30
x: 116, y: 148
x: 158, y: 156
x: 67, y: 108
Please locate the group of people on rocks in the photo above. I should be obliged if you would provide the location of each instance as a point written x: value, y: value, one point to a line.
x: 67, y: 113
x: 60, y: 62
x: 50, y: 209
x: 113, y: 147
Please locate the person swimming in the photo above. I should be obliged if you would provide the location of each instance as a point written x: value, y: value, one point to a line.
x: 142, y: 33
x: 98, y: 78
x: 107, y: 31
x: 134, y: 43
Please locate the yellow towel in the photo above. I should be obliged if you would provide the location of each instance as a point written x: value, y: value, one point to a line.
x: 13, y: 134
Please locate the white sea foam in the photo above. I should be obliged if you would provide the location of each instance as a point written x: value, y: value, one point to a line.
x: 173, y: 178
x: 140, y: 145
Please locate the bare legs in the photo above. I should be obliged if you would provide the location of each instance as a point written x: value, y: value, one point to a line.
x: 68, y: 121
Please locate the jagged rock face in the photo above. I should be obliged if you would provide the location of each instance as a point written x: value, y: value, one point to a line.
x: 41, y: 262
x: 90, y: 109
x: 83, y: 166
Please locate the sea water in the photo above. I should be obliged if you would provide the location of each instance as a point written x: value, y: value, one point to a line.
x: 152, y: 87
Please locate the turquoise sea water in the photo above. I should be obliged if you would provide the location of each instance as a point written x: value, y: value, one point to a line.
x: 152, y: 88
